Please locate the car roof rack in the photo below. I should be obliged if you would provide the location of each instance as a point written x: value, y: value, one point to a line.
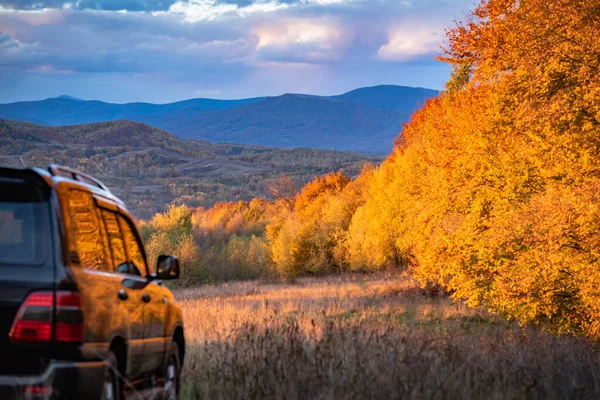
x: 66, y: 172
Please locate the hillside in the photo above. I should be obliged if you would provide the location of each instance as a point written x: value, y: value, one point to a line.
x: 300, y: 120
x: 151, y: 168
x: 103, y: 134
x: 67, y: 110
x: 365, y: 120
x: 388, y: 96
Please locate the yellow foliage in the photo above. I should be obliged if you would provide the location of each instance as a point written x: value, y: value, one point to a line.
x: 170, y: 233
x: 308, y: 239
x: 491, y: 190
x: 493, y: 187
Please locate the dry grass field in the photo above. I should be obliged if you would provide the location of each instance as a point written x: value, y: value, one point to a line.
x: 369, y: 336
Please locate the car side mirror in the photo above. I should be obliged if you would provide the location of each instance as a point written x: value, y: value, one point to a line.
x: 167, y: 268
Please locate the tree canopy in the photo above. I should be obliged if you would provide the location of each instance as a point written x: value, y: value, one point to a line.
x: 492, y: 190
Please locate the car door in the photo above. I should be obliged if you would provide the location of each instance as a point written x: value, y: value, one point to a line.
x: 154, y: 300
x: 92, y: 251
x: 129, y: 288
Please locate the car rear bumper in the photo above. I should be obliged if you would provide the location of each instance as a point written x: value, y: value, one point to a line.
x: 61, y: 380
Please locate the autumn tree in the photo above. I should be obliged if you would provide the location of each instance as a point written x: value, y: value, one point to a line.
x: 284, y: 188
x: 171, y: 233
x: 491, y: 189
x: 304, y: 239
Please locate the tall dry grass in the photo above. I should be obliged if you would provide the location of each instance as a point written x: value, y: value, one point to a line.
x: 369, y: 336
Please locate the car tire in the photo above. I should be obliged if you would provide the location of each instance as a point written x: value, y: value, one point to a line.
x: 172, y: 374
x: 112, y: 388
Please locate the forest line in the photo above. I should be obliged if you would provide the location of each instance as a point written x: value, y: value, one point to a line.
x: 492, y: 190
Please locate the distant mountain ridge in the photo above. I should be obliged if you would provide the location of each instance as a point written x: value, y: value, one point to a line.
x: 300, y: 120
x: 364, y: 120
x: 67, y: 97
x: 388, y: 96
x: 64, y: 110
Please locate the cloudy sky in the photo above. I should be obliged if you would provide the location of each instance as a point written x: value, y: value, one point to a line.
x: 168, y: 50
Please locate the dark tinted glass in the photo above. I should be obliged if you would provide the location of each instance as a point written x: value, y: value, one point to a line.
x: 24, y: 224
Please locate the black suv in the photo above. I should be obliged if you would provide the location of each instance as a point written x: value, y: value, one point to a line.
x: 81, y: 314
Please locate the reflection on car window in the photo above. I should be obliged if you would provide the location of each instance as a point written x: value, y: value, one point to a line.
x: 136, y: 255
x: 115, y: 240
x: 85, y: 231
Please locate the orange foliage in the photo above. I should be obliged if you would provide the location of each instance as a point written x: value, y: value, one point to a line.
x: 492, y: 189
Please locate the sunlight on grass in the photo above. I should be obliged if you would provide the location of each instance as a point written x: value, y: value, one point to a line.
x: 376, y: 336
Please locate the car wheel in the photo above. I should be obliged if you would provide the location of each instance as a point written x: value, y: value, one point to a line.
x: 172, y: 374
x: 111, y: 385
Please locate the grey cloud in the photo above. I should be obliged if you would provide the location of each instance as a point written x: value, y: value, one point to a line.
x: 221, y: 54
x: 129, y: 5
x: 246, y: 3
x: 91, y: 41
x: 86, y: 42
x: 115, y: 5
x: 31, y: 4
x: 108, y: 5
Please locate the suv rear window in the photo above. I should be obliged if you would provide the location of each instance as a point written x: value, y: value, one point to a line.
x: 24, y: 223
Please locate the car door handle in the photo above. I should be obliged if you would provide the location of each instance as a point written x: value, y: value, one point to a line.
x: 122, y: 294
x: 146, y: 298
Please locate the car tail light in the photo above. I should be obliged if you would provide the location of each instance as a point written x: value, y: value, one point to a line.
x: 33, y: 322
x: 36, y: 321
x: 69, y: 318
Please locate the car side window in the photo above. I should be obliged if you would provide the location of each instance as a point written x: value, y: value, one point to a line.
x: 115, y: 240
x: 134, y: 249
x: 86, y: 232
